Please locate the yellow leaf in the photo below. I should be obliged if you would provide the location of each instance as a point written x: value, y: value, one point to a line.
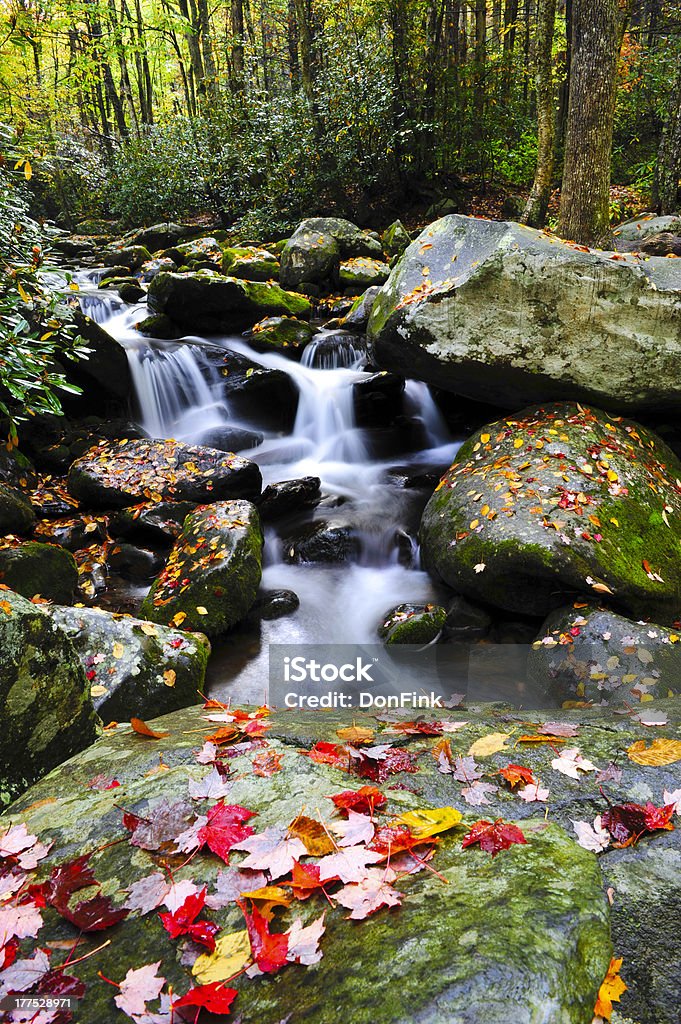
x: 271, y: 894
x: 610, y: 991
x: 518, y: 443
x: 179, y: 618
x: 148, y: 629
x: 312, y: 835
x: 484, y: 438
x: 660, y: 752
x: 98, y: 690
x: 232, y: 953
x: 28, y: 170
x: 356, y: 734
x: 425, y: 823
x: 22, y: 291
x: 201, y: 610
x: 490, y: 744
x: 118, y: 650
x: 169, y: 677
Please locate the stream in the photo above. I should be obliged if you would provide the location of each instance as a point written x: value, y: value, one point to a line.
x: 178, y: 394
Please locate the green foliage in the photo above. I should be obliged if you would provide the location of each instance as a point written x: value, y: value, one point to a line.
x: 36, y: 322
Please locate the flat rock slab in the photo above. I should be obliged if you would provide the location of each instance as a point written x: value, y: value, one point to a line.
x: 117, y: 474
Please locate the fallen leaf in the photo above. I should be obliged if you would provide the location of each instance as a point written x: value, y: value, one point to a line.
x: 490, y: 744
x: 660, y: 752
x: 312, y: 834
x: 592, y: 837
x: 571, y: 763
x: 368, y: 895
x: 139, y: 987
x: 425, y: 823
x: 214, y: 998
x: 493, y: 836
x: 232, y: 953
x: 364, y: 800
x: 357, y: 828
x: 356, y: 734
x: 610, y: 991
x: 142, y: 729
x: 273, y: 851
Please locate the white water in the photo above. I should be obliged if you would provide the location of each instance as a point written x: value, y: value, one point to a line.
x: 180, y: 396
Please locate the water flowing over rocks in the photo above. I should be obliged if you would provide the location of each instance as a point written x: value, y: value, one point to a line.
x: 560, y: 499
x: 509, y: 315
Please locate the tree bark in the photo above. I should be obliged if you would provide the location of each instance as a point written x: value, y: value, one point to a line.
x: 585, y: 194
x: 538, y: 201
x: 668, y: 169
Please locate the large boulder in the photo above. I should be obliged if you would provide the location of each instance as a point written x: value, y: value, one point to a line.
x: 558, y: 500
x: 282, y: 334
x: 259, y: 395
x: 116, y: 474
x: 159, y: 236
x: 206, y: 302
x: 47, y: 714
x: 592, y: 653
x: 34, y: 569
x: 251, y: 264
x: 135, y: 668
x: 16, y: 515
x: 212, y: 575
x: 106, y: 370
x: 314, y: 251
x: 645, y: 226
x: 523, y: 936
x: 509, y: 315
x: 395, y: 238
x: 361, y: 272
x: 132, y: 257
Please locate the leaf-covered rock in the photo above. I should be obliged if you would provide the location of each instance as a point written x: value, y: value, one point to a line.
x: 135, y: 668
x: 509, y: 315
x: 116, y: 474
x: 212, y: 575
x: 558, y: 500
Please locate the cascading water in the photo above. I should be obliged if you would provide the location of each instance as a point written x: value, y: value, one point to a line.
x: 180, y: 395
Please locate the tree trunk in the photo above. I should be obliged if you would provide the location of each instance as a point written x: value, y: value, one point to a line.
x: 237, y: 46
x: 585, y: 194
x: 538, y: 202
x: 668, y: 169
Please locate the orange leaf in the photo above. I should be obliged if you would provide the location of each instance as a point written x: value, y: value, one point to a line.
x: 142, y: 729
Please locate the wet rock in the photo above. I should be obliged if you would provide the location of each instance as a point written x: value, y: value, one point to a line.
x: 412, y: 624
x: 114, y: 475
x: 106, y: 370
x: 47, y: 715
x: 203, y: 302
x: 135, y: 668
x: 645, y: 226
x: 16, y: 514
x: 231, y: 439
x: 159, y: 326
x: 321, y: 542
x: 395, y: 238
x: 158, y: 523
x: 34, y: 569
x: 314, y: 251
x: 256, y: 394
x: 93, y: 571
x: 151, y: 268
x: 558, y: 500
x: 521, y: 936
x: 509, y: 315
x: 378, y: 399
x: 131, y: 257
x: 113, y: 273
x: 357, y: 274
x: 282, y: 334
x: 16, y: 469
x: 206, y: 251
x: 134, y: 563
x: 74, y: 247
x: 591, y: 653
x: 212, y: 575
x: 465, y: 621
x: 274, y: 604
x: 73, y: 533
x: 330, y: 351
x: 130, y: 291
x: 253, y: 264
x: 289, y: 496
x: 160, y: 236
x: 358, y: 316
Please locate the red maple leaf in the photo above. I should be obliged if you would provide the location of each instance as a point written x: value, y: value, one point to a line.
x: 215, y: 998
x: 391, y: 839
x: 626, y: 823
x: 396, y: 760
x: 269, y: 949
x: 91, y: 915
x: 517, y: 775
x: 305, y: 880
x: 183, y: 921
x: 414, y: 728
x: 225, y: 828
x: 364, y: 800
x: 328, y: 753
x: 493, y: 836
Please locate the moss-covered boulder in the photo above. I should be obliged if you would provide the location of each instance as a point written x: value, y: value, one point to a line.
x: 159, y: 236
x: 47, y: 714
x: 283, y: 334
x: 558, y: 500
x: 16, y: 515
x: 106, y: 370
x: 311, y: 256
x: 395, y: 238
x: 358, y: 316
x: 361, y: 272
x: 523, y: 936
x: 34, y: 569
x: 205, y: 250
x: 251, y: 264
x: 131, y: 256
x: 16, y: 469
x: 135, y: 668
x: 591, y: 653
x: 509, y: 315
x: 158, y: 326
x: 212, y: 575
x: 116, y: 474
x: 412, y: 624
x: 206, y: 302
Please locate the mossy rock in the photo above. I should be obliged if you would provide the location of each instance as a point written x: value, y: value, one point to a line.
x: 311, y: 256
x: 395, y: 238
x: 131, y: 256
x: 116, y: 474
x: 158, y: 326
x: 202, y: 301
x: 16, y: 469
x: 362, y: 272
x: 33, y: 569
x: 135, y: 668
x: 412, y: 624
x: 358, y: 316
x: 16, y: 515
x: 212, y: 575
x: 198, y: 249
x: 47, y: 714
x: 251, y: 264
x: 282, y: 333
x: 155, y: 523
x: 592, y: 653
x: 555, y: 501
